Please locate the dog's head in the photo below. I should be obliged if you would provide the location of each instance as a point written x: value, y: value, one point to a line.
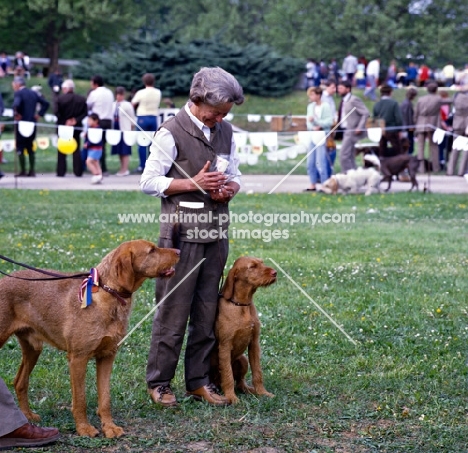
x: 330, y: 186
x: 247, y: 274
x: 132, y: 262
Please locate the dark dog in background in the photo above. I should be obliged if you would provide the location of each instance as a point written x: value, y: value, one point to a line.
x: 393, y: 166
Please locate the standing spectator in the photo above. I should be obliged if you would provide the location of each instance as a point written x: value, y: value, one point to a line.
x: 55, y: 82
x: 333, y: 70
x: 460, y: 125
x: 411, y: 74
x: 146, y: 102
x: 2, y: 107
x: 392, y: 74
x: 124, y: 120
x: 423, y: 75
x: 71, y: 110
x: 20, y: 65
x: 449, y: 74
x: 323, y: 70
x: 4, y: 63
x: 25, y: 102
x: 311, y: 70
x: 350, y: 67
x: 361, y: 75
x: 427, y: 114
x: 389, y: 110
x: 372, y: 78
x: 177, y: 170
x: 354, y: 125
x: 446, y: 126
x: 407, y: 114
x: 319, y: 118
x: 93, y: 151
x: 100, y: 101
x: 15, y: 430
x: 328, y: 96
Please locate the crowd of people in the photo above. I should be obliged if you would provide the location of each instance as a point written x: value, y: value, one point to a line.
x: 413, y: 122
x: 103, y: 108
x: 364, y: 73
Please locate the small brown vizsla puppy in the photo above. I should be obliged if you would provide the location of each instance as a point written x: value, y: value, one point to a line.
x: 50, y: 311
x: 238, y: 328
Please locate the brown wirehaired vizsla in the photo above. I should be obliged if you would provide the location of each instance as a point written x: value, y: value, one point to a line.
x: 50, y: 311
x: 237, y: 328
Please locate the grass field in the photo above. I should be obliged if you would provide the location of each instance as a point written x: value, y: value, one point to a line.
x: 395, y: 280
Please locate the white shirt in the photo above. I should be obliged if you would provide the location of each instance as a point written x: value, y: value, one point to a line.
x: 373, y: 68
x: 100, y: 101
x: 163, y: 154
x: 148, y: 101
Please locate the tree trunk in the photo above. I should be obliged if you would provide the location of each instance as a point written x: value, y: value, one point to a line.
x: 52, y: 46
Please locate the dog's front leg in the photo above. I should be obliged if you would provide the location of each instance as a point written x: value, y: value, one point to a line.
x: 77, y: 365
x: 103, y: 370
x: 225, y: 370
x: 254, y: 360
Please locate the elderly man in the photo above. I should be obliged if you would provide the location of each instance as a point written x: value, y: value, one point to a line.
x: 193, y: 169
x: 352, y: 119
x: 71, y: 109
x: 25, y: 103
x: 427, y: 119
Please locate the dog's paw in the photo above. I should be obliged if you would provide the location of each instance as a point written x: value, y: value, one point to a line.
x: 32, y: 416
x: 87, y: 430
x: 232, y: 399
x: 270, y: 395
x: 111, y: 430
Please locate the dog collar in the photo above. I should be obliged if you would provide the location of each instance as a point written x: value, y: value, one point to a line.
x: 237, y: 304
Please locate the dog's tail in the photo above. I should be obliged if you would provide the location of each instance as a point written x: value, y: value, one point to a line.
x: 373, y: 159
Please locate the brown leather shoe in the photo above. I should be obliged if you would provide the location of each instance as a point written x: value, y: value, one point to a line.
x: 163, y: 395
x: 29, y: 436
x: 210, y: 394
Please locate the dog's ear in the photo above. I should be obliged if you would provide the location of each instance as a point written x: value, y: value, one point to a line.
x: 334, y: 186
x: 228, y: 287
x: 124, y: 268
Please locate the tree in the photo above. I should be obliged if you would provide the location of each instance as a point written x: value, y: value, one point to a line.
x: 49, y: 26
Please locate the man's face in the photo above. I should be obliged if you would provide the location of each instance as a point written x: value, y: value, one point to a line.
x: 209, y: 115
x: 342, y: 90
x: 331, y: 89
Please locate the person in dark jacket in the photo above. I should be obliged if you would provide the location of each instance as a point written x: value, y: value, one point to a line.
x: 389, y: 110
x: 70, y: 111
x: 25, y: 104
x: 407, y: 115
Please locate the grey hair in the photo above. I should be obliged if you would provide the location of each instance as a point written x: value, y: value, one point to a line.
x: 214, y: 86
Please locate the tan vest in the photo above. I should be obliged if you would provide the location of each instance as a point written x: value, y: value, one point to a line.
x: 193, y: 151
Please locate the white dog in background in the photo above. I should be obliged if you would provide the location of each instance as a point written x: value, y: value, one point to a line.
x: 352, y: 181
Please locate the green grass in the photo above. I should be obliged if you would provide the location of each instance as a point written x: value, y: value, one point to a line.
x: 394, y: 280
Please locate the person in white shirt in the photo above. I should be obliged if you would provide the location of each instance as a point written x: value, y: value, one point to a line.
x: 101, y: 102
x: 146, y: 102
x: 372, y: 76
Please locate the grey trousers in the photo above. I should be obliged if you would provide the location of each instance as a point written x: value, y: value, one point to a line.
x: 11, y: 417
x: 347, y: 153
x: 433, y: 148
x: 453, y: 159
x: 195, y: 301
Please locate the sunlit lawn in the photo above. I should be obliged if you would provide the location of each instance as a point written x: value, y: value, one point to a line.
x: 394, y: 280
